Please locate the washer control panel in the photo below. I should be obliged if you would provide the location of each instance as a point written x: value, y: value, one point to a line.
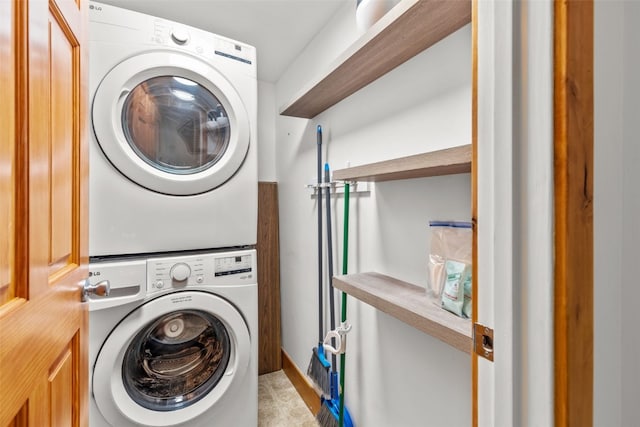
x: 209, y: 269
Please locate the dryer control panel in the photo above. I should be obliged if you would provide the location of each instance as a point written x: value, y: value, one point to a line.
x: 209, y: 269
x: 236, y: 264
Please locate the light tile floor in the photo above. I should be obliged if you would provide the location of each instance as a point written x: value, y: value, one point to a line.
x: 280, y: 405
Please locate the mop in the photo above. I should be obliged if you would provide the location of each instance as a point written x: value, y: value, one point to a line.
x: 332, y: 412
x: 319, y: 366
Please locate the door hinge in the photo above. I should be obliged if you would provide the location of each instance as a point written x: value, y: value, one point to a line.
x: 483, y: 341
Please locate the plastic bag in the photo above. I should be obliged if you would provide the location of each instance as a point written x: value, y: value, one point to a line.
x: 450, y: 240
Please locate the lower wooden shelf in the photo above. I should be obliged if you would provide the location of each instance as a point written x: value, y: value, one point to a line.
x: 408, y: 303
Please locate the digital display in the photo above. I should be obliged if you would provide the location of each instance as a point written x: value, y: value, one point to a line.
x: 233, y: 265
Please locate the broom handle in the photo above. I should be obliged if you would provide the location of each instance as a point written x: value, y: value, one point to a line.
x: 345, y: 249
x: 320, y: 284
x: 343, y: 318
x: 332, y: 309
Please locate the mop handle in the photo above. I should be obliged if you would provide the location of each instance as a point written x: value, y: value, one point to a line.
x: 320, y: 284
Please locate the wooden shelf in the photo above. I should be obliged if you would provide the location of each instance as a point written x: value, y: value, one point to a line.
x: 408, y: 303
x: 436, y: 163
x: 409, y: 28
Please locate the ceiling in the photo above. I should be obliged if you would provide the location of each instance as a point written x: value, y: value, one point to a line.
x: 279, y: 29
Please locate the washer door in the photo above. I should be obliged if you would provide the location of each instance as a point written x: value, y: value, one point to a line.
x: 171, y: 123
x: 171, y: 360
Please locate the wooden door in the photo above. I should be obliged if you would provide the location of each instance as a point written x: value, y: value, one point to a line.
x: 43, y: 212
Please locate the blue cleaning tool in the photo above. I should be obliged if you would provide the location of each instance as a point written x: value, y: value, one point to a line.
x: 319, y: 367
x: 332, y: 409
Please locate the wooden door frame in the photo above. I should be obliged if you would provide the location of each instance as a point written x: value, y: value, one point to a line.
x: 573, y: 217
x: 474, y: 202
x: 573, y: 175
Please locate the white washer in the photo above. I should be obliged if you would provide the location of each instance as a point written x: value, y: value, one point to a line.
x: 173, y: 156
x: 175, y: 343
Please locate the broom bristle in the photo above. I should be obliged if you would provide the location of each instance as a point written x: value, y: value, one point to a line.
x: 325, y: 417
x: 318, y: 371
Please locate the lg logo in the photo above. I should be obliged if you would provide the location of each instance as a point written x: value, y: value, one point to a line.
x: 93, y: 7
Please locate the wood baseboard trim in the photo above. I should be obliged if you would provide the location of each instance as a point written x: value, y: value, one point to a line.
x: 301, y: 384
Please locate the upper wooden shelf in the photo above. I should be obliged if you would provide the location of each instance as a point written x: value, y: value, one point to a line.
x: 408, y: 303
x: 442, y: 162
x: 409, y: 28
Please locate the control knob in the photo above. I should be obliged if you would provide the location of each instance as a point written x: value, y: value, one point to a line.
x: 180, y: 272
x: 180, y: 36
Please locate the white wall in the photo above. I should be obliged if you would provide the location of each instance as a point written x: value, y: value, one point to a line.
x: 630, y: 290
x: 266, y: 132
x: 608, y: 203
x: 396, y: 375
x: 617, y: 209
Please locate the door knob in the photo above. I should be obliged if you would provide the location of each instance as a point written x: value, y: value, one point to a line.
x: 101, y: 289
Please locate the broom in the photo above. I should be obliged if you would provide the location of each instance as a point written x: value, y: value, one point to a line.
x: 332, y: 412
x: 344, y: 418
x: 319, y: 366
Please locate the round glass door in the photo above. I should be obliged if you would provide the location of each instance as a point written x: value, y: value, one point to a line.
x: 176, y: 360
x: 171, y: 360
x: 175, y: 124
x: 173, y: 129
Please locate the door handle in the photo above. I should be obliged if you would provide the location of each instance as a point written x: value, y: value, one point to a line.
x: 101, y: 289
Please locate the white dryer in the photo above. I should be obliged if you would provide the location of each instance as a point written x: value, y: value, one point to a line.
x: 173, y: 156
x: 175, y: 343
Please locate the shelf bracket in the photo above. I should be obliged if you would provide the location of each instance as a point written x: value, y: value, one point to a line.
x: 337, y: 187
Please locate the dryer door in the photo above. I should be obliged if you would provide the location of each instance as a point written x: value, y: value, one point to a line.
x: 171, y: 123
x: 171, y: 360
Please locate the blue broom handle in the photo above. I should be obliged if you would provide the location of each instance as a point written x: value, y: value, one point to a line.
x: 332, y: 310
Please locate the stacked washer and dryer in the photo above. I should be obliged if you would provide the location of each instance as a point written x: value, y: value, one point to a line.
x: 173, y: 214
